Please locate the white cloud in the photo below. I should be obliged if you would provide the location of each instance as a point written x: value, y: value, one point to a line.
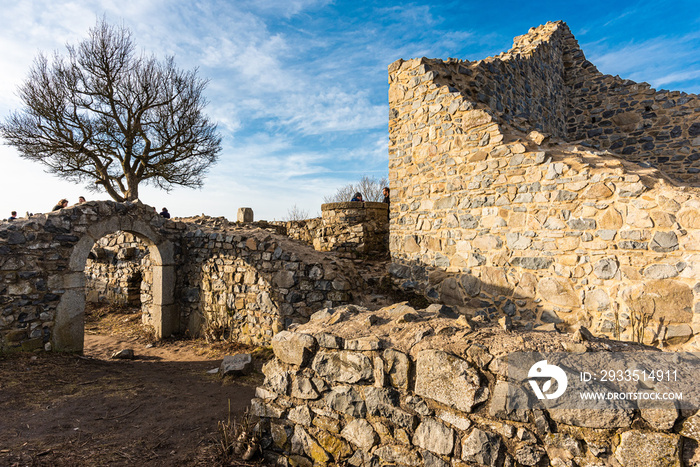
x: 654, y: 60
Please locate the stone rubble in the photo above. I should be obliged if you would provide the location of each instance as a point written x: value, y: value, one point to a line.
x: 442, y: 401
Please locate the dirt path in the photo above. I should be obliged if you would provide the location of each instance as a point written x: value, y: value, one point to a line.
x: 161, y: 408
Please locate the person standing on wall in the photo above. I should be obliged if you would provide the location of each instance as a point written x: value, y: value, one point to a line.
x: 165, y: 213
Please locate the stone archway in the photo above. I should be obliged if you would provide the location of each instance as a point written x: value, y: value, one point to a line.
x: 42, y: 279
x: 68, y: 332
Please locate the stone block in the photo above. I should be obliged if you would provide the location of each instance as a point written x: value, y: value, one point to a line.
x: 360, y: 433
x: 245, y: 215
x: 236, y: 365
x: 482, y: 447
x: 447, y: 379
x: 434, y: 436
x: 647, y: 449
x: 343, y: 366
x: 293, y: 347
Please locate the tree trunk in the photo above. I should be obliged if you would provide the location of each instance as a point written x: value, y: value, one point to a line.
x: 132, y: 193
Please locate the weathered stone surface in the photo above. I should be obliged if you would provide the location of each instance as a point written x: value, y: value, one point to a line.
x: 660, y: 271
x: 303, y: 388
x: 398, y: 455
x: 660, y: 415
x: 397, y: 368
x: 447, y: 379
x: 276, y: 377
x: 597, y: 300
x: 260, y: 408
x: 333, y: 445
x: 691, y: 427
x: 360, y: 433
x: 605, y: 268
x: 343, y: 367
x: 280, y: 434
x: 434, y: 436
x: 240, y: 364
x: 558, y: 292
x: 300, y: 415
x: 657, y: 449
x: 678, y: 334
x: 303, y: 442
x: 529, y: 455
x: 664, y: 242
x: 673, y: 300
x: 347, y: 400
x: 481, y: 447
x: 509, y: 403
x: 293, y: 347
x: 593, y: 418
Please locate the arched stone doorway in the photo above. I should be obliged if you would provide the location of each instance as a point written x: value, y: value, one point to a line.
x: 68, y: 332
x: 42, y: 279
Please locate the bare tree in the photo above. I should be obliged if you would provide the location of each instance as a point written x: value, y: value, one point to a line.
x: 370, y: 188
x: 108, y: 116
x: 295, y: 213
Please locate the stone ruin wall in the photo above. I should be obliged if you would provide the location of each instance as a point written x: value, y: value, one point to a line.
x: 653, y: 128
x: 246, y: 285
x: 400, y: 386
x: 223, y: 296
x: 489, y: 216
x: 243, y: 283
x: 350, y: 229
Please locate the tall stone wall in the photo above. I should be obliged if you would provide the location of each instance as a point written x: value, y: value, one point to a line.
x: 489, y: 215
x: 428, y: 388
x: 653, y: 128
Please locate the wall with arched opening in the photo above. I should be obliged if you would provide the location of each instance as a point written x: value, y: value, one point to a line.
x: 241, y: 283
x: 42, y: 262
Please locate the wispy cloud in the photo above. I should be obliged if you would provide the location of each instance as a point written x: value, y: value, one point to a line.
x: 654, y: 60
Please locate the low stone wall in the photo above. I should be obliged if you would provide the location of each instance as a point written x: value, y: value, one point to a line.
x: 426, y: 387
x: 228, y: 281
x: 353, y: 228
x: 306, y: 230
x: 247, y: 284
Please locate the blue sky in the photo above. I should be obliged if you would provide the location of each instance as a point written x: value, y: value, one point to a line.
x: 299, y: 87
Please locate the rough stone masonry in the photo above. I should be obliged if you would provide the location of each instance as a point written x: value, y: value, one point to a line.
x: 496, y: 208
x: 497, y: 211
x: 239, y: 281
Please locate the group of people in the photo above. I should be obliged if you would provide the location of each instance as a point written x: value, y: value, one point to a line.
x: 385, y: 192
x: 63, y: 203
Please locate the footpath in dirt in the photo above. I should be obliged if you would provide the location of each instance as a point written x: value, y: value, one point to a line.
x: 161, y: 408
